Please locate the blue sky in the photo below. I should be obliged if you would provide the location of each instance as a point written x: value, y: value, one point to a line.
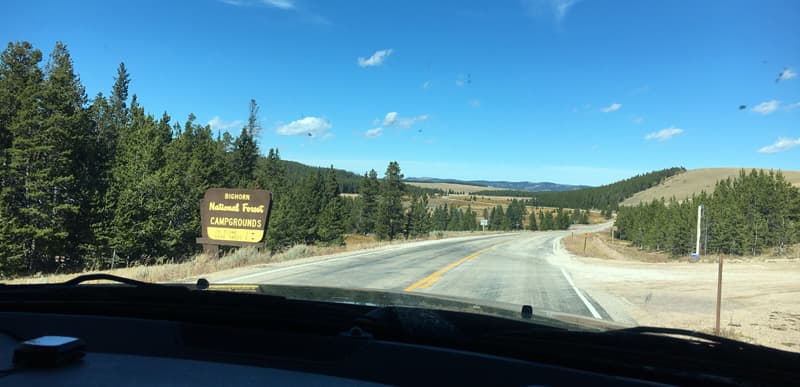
x: 581, y: 92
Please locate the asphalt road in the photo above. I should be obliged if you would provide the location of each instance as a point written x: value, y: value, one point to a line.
x: 511, y: 268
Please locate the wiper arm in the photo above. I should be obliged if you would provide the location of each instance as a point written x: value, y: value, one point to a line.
x: 679, y: 332
x: 108, y: 277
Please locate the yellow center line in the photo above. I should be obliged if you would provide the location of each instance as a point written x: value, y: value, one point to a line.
x: 435, y: 276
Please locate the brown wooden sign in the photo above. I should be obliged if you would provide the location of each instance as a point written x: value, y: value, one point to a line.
x: 234, y: 217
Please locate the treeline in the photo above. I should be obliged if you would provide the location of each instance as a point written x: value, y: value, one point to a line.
x: 349, y: 182
x: 101, y: 183
x: 513, y: 218
x: 605, y: 198
x: 751, y: 214
x: 295, y: 172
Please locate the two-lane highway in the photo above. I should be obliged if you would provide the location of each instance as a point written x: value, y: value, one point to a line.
x: 511, y: 268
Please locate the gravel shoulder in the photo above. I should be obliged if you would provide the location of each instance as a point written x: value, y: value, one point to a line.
x: 760, y: 300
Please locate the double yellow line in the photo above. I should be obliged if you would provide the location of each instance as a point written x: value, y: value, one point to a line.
x: 436, y: 276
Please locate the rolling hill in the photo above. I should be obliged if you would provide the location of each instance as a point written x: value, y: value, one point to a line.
x: 455, y: 187
x: 693, y: 181
x: 483, y: 185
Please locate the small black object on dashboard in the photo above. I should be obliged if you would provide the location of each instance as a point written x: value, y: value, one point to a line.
x: 202, y: 284
x: 49, y: 351
x: 527, y: 311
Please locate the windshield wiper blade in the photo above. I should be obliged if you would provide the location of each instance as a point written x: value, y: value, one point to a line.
x: 680, y: 333
x: 108, y: 277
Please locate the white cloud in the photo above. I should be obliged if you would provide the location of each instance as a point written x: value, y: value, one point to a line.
x: 426, y: 85
x: 557, y: 8
x: 792, y: 106
x: 217, y: 123
x: 280, y: 4
x: 787, y: 74
x: 376, y: 59
x: 304, y: 126
x: 376, y: 132
x: 664, y: 134
x: 612, y: 108
x: 782, y: 144
x: 392, y: 119
x: 475, y: 103
x: 561, y: 7
x: 766, y: 107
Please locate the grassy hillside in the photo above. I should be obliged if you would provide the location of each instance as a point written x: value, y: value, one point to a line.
x: 605, y: 197
x: 683, y: 185
x: 542, y: 186
x: 468, y: 189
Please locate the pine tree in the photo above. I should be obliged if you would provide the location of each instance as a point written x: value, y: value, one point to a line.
x: 532, y: 221
x: 111, y: 117
x: 418, y: 221
x: 468, y: 221
x: 284, y: 228
x: 20, y: 91
x: 439, y: 218
x: 562, y: 220
x: 389, y: 219
x: 498, y: 220
x: 119, y: 100
x: 331, y: 218
x: 272, y: 174
x: 67, y: 122
x: 548, y: 222
x: 369, y: 189
x: 331, y: 223
x: 308, y: 203
x: 45, y: 123
x: 135, y: 231
x: 454, y: 219
x: 244, y: 157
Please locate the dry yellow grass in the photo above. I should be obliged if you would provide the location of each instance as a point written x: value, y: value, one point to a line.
x: 200, y: 264
x: 247, y: 256
x: 453, y: 187
x: 600, y: 245
x: 694, y: 181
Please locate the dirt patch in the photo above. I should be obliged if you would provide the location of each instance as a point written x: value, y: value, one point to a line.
x: 760, y: 299
x: 601, y: 245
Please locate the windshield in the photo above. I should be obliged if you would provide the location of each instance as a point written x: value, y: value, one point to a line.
x: 631, y: 162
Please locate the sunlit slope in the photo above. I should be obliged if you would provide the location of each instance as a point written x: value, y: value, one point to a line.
x: 685, y: 184
x: 468, y: 189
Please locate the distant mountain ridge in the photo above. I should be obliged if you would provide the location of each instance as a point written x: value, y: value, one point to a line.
x: 513, y: 185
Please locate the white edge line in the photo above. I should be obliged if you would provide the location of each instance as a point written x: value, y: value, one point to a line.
x: 586, y: 302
